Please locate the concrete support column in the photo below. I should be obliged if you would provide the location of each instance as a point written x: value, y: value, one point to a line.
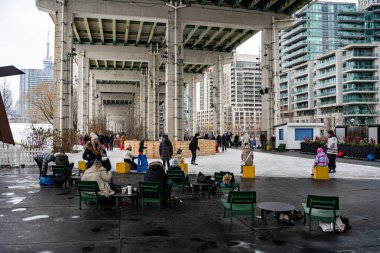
x: 191, y: 89
x: 143, y: 104
x: 63, y: 69
x: 83, y: 103
x: 267, y: 80
x: 92, y: 98
x: 174, y: 80
x: 152, y: 96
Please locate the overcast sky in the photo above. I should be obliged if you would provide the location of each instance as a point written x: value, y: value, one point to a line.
x: 24, y: 32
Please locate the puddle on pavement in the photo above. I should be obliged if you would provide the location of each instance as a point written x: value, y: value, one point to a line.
x: 8, y: 193
x: 43, y: 216
x: 262, y: 238
x: 18, y: 209
x: 33, y: 191
x: 157, y: 232
x: 196, y: 239
x: 207, y: 245
x: 16, y: 200
x: 22, y: 187
x: 87, y: 249
x: 279, y: 242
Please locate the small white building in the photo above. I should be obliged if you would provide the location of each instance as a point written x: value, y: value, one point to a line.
x: 292, y: 134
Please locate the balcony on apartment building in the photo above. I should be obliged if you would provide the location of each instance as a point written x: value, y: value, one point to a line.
x: 296, y: 61
x: 360, y: 89
x: 325, y: 83
x: 354, y: 99
x: 325, y: 63
x: 351, y: 27
x: 351, y: 35
x: 325, y: 74
x: 299, y: 99
x: 360, y: 54
x: 297, y: 53
x: 295, y: 39
x: 300, y: 91
x: 301, y: 106
x: 358, y: 77
x: 300, y: 82
x: 325, y: 94
x: 350, y: 19
x: 360, y: 67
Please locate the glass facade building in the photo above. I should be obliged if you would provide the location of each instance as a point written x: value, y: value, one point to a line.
x: 328, y: 68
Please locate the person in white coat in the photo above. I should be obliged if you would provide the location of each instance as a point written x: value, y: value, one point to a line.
x: 246, y: 138
x: 332, y: 150
x: 101, y: 175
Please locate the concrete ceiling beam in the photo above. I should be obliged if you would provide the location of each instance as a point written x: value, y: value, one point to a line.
x: 151, y: 34
x: 200, y: 37
x: 213, y: 36
x: 116, y: 88
x: 188, y: 37
x: 76, y: 32
x: 139, y: 33
x: 88, y: 30
x: 217, y: 17
x: 97, y: 63
x: 114, y: 31
x: 287, y: 4
x: 126, y: 32
x: 234, y: 39
x: 224, y: 38
x: 253, y: 4
x: 116, y: 96
x: 101, y: 30
x: 269, y: 4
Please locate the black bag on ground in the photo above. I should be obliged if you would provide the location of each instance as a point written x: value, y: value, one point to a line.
x: 201, y: 178
x: 346, y: 222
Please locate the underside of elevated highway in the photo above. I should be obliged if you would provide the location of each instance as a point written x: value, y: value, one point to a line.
x: 136, y: 60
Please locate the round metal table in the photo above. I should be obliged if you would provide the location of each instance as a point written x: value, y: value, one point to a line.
x: 276, y: 207
x: 133, y: 197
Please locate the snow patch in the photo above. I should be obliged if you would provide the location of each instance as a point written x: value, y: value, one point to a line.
x: 44, y: 216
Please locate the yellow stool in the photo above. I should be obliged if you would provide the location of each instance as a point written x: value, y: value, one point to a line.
x: 321, y: 173
x: 82, y: 166
x: 185, y: 167
x: 123, y: 167
x: 249, y: 171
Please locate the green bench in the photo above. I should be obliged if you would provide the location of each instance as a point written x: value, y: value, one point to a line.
x: 321, y: 208
x: 88, y: 191
x: 179, y: 179
x: 152, y: 192
x: 240, y: 202
x: 219, y: 179
x: 59, y: 170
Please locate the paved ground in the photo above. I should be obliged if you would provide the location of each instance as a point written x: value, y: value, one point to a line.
x: 34, y: 219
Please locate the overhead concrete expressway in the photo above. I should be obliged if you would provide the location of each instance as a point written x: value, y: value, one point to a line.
x: 134, y: 55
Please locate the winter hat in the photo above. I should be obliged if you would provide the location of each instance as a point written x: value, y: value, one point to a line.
x: 175, y: 162
x: 319, y: 150
x: 94, y: 137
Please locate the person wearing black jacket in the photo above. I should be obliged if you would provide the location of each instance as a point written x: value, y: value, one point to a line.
x: 156, y: 173
x: 166, y: 150
x: 141, y: 147
x: 193, y: 148
x: 219, y: 140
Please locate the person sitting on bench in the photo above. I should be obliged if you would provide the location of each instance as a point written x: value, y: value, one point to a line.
x: 63, y: 160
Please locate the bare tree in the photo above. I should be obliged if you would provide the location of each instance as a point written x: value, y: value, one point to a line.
x: 6, y: 94
x: 41, y: 99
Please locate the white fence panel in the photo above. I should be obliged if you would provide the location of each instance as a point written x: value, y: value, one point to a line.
x: 15, y: 156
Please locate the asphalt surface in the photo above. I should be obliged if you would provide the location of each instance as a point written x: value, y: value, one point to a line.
x: 48, y: 219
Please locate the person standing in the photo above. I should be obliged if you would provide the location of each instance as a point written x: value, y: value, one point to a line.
x: 193, y: 146
x: 236, y: 141
x: 166, y: 150
x: 111, y: 141
x: 224, y: 143
x: 332, y: 150
x: 141, y: 147
x: 245, y: 138
x: 263, y: 140
x: 219, y: 140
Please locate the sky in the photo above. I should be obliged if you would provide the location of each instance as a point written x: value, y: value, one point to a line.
x: 24, y: 31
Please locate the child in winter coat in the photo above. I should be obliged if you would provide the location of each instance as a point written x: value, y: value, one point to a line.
x: 321, y: 159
